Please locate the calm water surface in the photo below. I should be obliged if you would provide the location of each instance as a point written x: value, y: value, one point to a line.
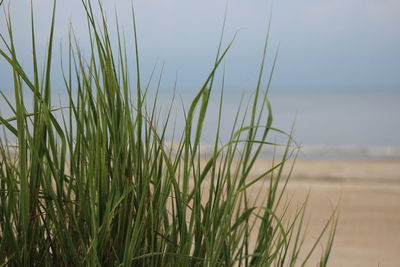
x: 327, y: 123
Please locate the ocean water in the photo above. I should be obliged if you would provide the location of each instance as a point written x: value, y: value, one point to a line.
x: 342, y: 123
x: 363, y: 118
x: 326, y: 123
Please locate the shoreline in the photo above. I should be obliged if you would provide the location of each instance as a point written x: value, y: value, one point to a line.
x: 376, y: 171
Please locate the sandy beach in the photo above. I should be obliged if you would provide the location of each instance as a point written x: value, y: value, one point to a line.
x: 367, y: 193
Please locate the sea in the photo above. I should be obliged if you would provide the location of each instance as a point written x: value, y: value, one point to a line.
x: 327, y: 124
x: 345, y: 124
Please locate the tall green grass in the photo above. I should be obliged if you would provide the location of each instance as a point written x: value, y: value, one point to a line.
x: 97, y: 182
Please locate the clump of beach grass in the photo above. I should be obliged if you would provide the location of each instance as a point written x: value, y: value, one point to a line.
x: 96, y: 183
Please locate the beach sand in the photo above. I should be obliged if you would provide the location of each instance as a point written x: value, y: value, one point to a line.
x: 367, y: 193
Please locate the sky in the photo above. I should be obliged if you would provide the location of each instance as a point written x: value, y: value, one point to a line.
x: 323, y: 44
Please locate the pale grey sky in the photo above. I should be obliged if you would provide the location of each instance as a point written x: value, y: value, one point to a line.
x: 327, y: 44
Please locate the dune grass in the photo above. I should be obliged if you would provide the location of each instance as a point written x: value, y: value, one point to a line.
x: 96, y: 183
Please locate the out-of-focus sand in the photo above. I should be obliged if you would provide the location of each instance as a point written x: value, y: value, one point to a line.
x: 368, y: 194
